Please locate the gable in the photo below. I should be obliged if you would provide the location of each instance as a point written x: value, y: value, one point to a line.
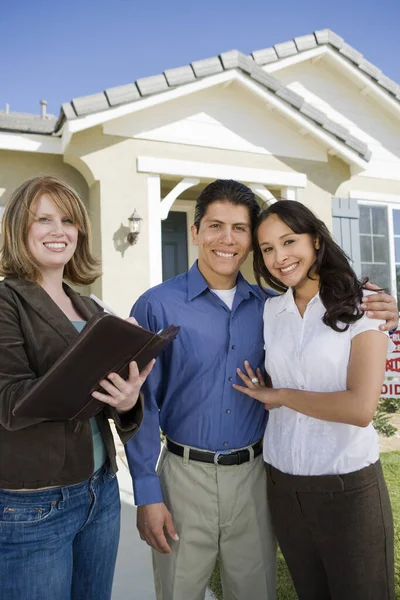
x: 227, y: 118
x: 326, y: 87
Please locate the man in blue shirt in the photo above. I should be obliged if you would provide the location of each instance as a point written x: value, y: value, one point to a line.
x: 210, y: 486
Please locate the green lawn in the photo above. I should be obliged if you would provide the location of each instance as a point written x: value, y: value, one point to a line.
x: 391, y: 467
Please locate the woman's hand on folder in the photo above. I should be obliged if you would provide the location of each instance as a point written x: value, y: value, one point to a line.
x: 120, y: 393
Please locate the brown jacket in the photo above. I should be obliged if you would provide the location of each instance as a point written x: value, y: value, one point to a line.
x: 35, y: 453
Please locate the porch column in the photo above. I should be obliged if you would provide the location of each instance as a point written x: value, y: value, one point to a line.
x: 289, y: 193
x: 158, y: 210
x: 154, y: 215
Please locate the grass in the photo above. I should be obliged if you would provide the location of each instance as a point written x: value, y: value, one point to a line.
x: 285, y: 589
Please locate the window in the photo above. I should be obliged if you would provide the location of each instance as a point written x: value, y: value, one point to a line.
x: 374, y: 245
x: 380, y: 245
x: 396, y: 232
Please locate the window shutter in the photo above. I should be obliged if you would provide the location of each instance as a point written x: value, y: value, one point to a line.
x: 345, y: 224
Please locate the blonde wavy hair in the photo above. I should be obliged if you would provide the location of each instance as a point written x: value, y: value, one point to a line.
x: 15, y: 258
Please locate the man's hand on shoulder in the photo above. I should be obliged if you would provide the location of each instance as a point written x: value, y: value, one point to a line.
x: 381, y: 306
x: 154, y: 521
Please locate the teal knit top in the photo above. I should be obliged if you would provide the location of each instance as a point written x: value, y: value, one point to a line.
x: 99, y: 449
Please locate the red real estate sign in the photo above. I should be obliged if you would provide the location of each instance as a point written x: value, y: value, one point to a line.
x: 391, y: 386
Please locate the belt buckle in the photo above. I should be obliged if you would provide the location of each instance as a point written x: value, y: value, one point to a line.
x: 218, y: 455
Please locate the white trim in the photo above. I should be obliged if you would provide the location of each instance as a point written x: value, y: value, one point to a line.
x: 363, y: 81
x: 289, y: 193
x: 262, y: 192
x: 155, y: 247
x: 375, y: 196
x: 295, y: 116
x: 389, y: 205
x: 392, y: 256
x: 268, y: 97
x: 27, y: 142
x: 314, y: 54
x: 188, y: 168
x: 109, y: 114
x: 188, y: 207
x: 65, y: 138
x: 170, y: 198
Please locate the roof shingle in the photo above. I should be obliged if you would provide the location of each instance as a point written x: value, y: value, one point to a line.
x: 26, y: 123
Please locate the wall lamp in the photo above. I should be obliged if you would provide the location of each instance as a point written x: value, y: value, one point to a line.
x: 135, y: 222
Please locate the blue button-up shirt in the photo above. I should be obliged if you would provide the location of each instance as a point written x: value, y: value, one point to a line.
x: 189, y: 392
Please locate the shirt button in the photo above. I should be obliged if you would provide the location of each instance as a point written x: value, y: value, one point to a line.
x: 229, y: 378
x: 228, y: 411
x: 225, y: 444
x: 233, y: 347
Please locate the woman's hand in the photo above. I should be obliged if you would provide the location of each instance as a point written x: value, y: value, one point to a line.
x: 123, y: 394
x: 381, y: 306
x: 256, y: 388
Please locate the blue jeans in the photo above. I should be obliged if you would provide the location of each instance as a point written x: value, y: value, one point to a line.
x: 61, y: 543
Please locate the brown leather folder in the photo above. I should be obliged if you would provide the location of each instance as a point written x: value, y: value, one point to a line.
x: 106, y: 344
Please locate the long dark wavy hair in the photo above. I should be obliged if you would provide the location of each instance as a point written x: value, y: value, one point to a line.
x: 339, y: 288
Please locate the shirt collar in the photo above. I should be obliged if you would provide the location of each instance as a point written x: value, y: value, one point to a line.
x: 197, y: 284
x: 288, y: 304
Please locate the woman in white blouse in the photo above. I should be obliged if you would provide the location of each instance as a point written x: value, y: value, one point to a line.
x: 328, y: 499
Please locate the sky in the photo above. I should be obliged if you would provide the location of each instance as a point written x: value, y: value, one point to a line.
x: 57, y: 50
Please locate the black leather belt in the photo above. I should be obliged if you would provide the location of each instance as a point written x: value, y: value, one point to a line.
x: 228, y: 457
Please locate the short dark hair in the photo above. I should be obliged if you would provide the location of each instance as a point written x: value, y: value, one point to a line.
x: 340, y: 290
x: 226, y: 190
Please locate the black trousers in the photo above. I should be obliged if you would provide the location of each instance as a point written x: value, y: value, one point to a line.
x: 336, y: 533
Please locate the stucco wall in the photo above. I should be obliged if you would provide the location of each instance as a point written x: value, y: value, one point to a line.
x: 16, y: 167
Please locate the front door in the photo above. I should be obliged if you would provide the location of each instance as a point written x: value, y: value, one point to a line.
x: 174, y: 245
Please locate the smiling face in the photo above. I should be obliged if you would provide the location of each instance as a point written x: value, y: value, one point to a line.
x: 52, y: 236
x: 288, y: 256
x: 224, y: 241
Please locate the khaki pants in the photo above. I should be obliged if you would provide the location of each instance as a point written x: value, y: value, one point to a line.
x: 216, y: 510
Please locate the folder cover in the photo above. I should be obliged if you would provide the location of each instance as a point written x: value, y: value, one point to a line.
x: 106, y: 344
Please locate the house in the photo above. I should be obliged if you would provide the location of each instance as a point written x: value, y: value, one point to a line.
x: 309, y: 119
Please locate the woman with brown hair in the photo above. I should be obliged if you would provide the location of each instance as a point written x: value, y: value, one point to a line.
x: 328, y: 499
x: 59, y: 500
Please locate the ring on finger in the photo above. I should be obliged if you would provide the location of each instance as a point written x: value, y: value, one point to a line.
x: 254, y: 380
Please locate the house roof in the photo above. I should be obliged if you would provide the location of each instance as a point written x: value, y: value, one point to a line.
x: 251, y: 66
x: 26, y: 123
x: 326, y: 37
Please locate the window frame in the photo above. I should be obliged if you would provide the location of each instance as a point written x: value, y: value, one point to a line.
x: 389, y: 206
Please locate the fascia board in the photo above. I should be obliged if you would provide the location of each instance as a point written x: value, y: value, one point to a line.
x: 363, y: 80
x: 25, y: 142
x: 110, y: 114
x: 374, y: 196
x: 187, y: 168
x: 313, y: 129
x: 222, y: 78
x: 295, y: 59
